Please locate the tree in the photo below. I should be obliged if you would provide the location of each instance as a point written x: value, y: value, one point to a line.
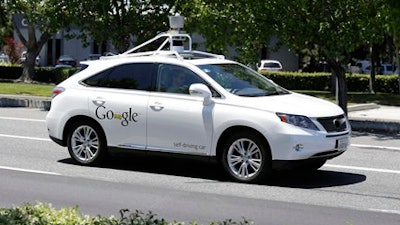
x: 242, y: 24
x: 393, y: 25
x: 47, y: 16
x: 4, y: 21
x: 124, y: 23
x: 327, y: 29
x: 376, y: 34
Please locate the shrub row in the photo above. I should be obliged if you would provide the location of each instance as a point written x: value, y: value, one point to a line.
x: 324, y: 82
x: 42, y: 74
x: 288, y: 80
x: 45, y: 214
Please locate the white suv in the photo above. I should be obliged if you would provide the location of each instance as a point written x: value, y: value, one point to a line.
x: 196, y: 103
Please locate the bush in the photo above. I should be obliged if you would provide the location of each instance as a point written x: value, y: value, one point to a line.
x: 62, y: 73
x: 45, y: 214
x: 42, y: 74
x: 324, y: 82
x: 301, y: 81
x: 10, y: 72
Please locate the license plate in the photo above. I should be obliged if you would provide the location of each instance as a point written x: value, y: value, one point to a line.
x: 342, y: 144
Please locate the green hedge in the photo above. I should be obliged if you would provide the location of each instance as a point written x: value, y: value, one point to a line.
x: 45, y: 214
x: 42, y: 74
x: 10, y: 72
x: 288, y: 80
x: 301, y: 81
x: 324, y: 82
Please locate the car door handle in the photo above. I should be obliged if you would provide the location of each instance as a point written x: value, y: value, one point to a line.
x: 99, y: 102
x: 157, y: 106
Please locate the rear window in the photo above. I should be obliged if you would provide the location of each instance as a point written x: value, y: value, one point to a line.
x: 272, y: 65
x: 137, y: 76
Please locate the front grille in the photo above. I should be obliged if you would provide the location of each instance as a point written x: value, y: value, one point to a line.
x: 334, y: 124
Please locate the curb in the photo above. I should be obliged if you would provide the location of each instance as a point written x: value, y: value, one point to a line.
x: 375, y: 126
x: 25, y: 101
x: 359, y: 107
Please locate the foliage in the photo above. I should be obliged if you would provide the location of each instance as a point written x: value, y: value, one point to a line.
x: 45, y: 214
x: 330, y: 30
x: 42, y: 74
x: 323, y: 81
x: 53, y: 75
x: 301, y: 81
x: 5, y: 23
x: 122, y: 22
x: 12, y: 49
x: 48, y: 16
x: 241, y: 24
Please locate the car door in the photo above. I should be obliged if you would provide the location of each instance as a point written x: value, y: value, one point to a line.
x: 119, y: 103
x: 177, y: 121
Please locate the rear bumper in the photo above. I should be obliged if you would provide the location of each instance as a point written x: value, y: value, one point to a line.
x: 58, y: 141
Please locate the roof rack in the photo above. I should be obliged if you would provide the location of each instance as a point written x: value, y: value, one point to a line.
x: 176, y: 38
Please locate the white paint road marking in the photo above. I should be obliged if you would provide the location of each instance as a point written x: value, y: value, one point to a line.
x: 376, y: 147
x: 22, y: 119
x: 25, y: 137
x: 363, y: 169
x: 28, y: 171
x: 385, y: 211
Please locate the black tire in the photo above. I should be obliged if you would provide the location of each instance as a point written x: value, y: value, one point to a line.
x: 87, y: 144
x: 246, y: 157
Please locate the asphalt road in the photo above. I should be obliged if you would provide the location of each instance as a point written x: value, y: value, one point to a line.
x: 359, y: 187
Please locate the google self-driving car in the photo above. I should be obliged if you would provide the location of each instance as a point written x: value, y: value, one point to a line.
x: 181, y: 101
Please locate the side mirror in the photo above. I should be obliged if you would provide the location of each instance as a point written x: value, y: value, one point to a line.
x: 201, y: 90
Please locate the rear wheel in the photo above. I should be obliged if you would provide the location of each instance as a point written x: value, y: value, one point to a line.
x: 246, y: 157
x: 86, y: 143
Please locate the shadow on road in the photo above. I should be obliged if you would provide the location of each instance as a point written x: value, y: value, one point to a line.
x: 177, y: 166
x: 315, y: 179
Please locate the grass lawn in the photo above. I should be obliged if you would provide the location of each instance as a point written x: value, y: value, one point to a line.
x: 353, y: 97
x: 26, y: 89
x: 359, y: 97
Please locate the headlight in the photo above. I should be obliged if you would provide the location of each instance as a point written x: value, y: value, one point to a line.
x: 296, y: 120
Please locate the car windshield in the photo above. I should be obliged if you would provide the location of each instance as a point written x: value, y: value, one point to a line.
x: 241, y: 80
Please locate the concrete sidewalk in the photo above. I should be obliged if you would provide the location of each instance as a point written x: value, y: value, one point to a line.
x: 365, y: 117
x: 374, y: 118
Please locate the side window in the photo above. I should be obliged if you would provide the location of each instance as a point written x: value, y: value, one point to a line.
x: 136, y: 76
x: 175, y: 79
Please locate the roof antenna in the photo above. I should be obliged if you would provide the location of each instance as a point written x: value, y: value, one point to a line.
x: 176, y: 25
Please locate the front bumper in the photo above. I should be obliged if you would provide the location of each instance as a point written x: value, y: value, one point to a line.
x: 293, y: 164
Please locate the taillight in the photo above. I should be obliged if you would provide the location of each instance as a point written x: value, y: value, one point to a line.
x: 56, y: 91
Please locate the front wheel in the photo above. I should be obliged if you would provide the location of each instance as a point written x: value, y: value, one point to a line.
x: 86, y: 143
x: 246, y: 157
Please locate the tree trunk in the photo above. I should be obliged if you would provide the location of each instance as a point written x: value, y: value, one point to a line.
x: 374, y: 59
x: 33, y: 48
x: 28, y: 70
x: 341, y: 83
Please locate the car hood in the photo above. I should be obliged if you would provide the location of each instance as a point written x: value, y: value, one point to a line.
x: 293, y: 103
